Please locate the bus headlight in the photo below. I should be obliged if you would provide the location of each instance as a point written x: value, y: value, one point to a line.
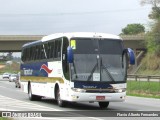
x: 120, y: 90
x: 78, y: 90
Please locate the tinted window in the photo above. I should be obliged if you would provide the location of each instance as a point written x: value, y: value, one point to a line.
x: 96, y: 46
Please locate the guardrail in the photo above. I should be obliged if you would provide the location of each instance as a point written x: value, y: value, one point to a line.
x: 148, y: 77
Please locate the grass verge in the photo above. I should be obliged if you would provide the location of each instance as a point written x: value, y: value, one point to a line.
x: 143, y: 89
x: 5, y: 118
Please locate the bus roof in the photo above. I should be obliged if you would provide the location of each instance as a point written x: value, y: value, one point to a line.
x: 80, y: 34
x: 31, y: 43
x: 73, y: 34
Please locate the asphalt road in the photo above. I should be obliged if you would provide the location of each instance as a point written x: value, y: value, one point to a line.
x: 13, y: 99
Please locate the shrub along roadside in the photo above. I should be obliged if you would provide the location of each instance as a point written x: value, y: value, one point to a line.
x: 143, y: 89
x: 13, y: 68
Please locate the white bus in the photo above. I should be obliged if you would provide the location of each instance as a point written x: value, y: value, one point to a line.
x: 76, y: 67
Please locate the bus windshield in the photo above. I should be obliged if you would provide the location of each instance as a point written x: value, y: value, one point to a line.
x: 98, y: 60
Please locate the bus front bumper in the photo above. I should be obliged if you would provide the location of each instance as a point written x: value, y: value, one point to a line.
x: 97, y: 97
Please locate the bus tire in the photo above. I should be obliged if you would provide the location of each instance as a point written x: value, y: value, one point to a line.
x: 103, y: 105
x: 31, y: 96
x: 60, y: 102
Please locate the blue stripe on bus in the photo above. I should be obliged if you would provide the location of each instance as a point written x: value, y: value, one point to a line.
x: 35, y: 68
x: 91, y: 85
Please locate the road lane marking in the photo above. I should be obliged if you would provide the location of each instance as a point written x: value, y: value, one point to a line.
x: 2, y: 109
x: 8, y: 103
x: 94, y: 118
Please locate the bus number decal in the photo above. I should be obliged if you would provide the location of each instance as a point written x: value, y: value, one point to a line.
x: 73, y: 44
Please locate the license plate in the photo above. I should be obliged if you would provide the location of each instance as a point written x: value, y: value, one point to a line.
x: 100, y: 97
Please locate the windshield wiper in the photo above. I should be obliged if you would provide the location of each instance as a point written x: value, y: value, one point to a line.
x: 94, y: 68
x: 74, y: 68
x: 108, y: 73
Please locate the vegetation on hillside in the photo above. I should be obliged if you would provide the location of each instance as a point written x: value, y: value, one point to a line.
x: 153, y: 36
x: 8, y: 63
x: 151, y: 63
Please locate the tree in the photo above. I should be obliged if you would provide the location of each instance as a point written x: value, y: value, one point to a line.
x: 9, y: 56
x: 132, y: 29
x: 153, y: 37
x: 155, y: 13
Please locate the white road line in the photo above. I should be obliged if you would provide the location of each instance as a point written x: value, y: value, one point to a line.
x: 46, y: 118
x: 4, y: 109
x: 11, y: 89
x: 10, y: 102
x: 94, y: 118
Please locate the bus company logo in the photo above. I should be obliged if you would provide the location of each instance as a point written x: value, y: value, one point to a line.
x: 28, y: 72
x: 84, y: 86
x: 45, y: 67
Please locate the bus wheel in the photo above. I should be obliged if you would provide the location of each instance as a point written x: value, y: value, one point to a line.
x: 31, y: 96
x: 60, y: 102
x: 103, y: 105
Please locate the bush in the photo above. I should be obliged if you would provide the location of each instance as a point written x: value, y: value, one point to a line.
x: 13, y: 68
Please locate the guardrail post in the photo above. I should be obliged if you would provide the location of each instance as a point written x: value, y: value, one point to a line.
x: 148, y: 78
x: 159, y: 86
x: 136, y: 77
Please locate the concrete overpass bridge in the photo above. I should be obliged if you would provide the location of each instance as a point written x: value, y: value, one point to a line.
x: 13, y: 43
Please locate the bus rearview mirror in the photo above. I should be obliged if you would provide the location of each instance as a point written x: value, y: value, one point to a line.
x: 131, y: 56
x: 70, y: 54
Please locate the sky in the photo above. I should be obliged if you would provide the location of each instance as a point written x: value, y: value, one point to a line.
x: 44, y: 17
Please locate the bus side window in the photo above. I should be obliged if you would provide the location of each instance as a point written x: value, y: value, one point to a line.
x: 64, y: 58
x: 38, y: 52
x: 34, y: 53
x: 35, y: 57
x: 46, y: 50
x: 51, y: 49
x: 42, y: 52
x: 27, y: 54
x: 31, y: 53
x: 22, y: 55
x: 58, y: 48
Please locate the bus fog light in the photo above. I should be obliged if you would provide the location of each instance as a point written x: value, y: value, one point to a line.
x: 123, y: 97
x: 74, y: 97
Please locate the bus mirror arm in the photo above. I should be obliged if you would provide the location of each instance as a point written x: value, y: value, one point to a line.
x: 70, y: 54
x: 131, y: 55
